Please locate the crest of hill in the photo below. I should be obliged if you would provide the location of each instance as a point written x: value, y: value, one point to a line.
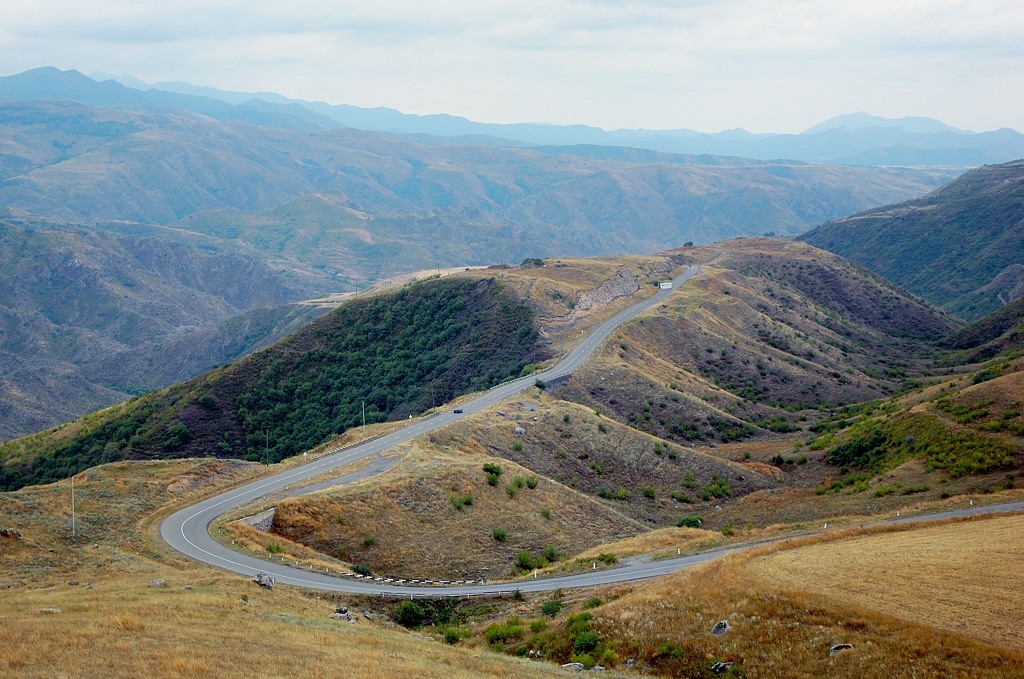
x: 961, y: 246
x: 769, y: 329
x: 398, y: 353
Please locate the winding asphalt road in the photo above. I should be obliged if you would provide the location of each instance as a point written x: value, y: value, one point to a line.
x: 187, y: 530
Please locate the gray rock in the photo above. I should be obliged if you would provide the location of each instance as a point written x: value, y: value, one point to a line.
x: 573, y: 666
x: 367, y: 615
x: 49, y: 610
x: 520, y: 431
x: 73, y: 583
x: 157, y: 582
x: 341, y: 609
x: 839, y: 647
x: 264, y: 581
x: 630, y: 662
x: 721, y: 627
x: 10, y: 533
x: 597, y: 668
x: 721, y: 667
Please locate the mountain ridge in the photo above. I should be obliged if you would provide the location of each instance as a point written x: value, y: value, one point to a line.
x: 852, y: 139
x: 961, y: 246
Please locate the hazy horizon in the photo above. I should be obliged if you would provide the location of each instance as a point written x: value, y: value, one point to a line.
x: 780, y: 66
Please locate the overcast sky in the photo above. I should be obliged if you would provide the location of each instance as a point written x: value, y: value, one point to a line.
x: 709, y: 65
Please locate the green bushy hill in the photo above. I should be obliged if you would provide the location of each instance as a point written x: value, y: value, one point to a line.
x: 1000, y: 331
x: 399, y: 353
x: 961, y: 246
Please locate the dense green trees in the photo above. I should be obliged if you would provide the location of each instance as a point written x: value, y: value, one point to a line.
x: 399, y: 354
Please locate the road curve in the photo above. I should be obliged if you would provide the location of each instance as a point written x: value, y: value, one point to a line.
x: 187, y: 530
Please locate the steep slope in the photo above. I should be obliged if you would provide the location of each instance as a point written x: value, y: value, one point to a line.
x: 397, y: 353
x: 771, y: 328
x: 1000, y: 331
x: 961, y: 246
x: 72, y: 301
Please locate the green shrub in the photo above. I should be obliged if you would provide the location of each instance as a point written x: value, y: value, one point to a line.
x: 491, y: 468
x: 492, y: 479
x: 551, y: 607
x: 585, y: 641
x: 360, y: 569
x: 728, y: 530
x: 693, y: 521
x: 525, y: 561
x: 452, y: 635
x: 502, y: 633
x: 550, y: 554
x: 409, y: 614
x: 592, y: 602
x: 517, y: 446
x: 499, y: 534
x: 274, y: 548
x: 648, y: 492
x: 532, y: 482
x: 460, y: 501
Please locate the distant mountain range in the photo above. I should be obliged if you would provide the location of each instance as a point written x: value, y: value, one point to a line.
x: 855, y: 139
x: 961, y: 246
x: 159, y: 233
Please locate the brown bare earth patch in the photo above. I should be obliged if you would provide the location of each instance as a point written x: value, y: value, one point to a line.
x: 639, y: 475
x: 960, y: 577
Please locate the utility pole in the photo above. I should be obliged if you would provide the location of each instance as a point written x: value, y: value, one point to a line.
x: 266, y: 447
x: 364, y: 413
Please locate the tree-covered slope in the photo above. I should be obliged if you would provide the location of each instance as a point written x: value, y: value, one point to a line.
x: 961, y: 247
x: 398, y: 353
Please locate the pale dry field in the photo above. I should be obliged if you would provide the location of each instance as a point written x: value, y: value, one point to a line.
x: 963, y: 577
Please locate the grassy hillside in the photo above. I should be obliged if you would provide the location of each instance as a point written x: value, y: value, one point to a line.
x: 399, y: 353
x: 961, y: 246
x: 770, y: 335
x: 970, y: 426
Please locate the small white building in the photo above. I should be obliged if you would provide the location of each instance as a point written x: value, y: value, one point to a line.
x: 665, y: 285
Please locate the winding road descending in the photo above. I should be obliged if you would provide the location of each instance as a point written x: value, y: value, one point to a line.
x: 187, y: 530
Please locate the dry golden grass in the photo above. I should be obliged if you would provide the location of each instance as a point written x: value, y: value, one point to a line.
x: 961, y: 577
x: 782, y: 630
x: 223, y: 627
x: 202, y: 623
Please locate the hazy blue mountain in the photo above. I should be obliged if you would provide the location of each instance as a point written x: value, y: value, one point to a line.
x: 854, y: 139
x: 914, y: 124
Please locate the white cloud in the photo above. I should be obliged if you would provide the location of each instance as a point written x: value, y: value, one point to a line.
x: 778, y: 65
